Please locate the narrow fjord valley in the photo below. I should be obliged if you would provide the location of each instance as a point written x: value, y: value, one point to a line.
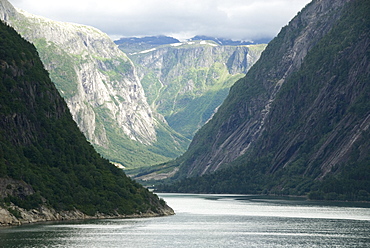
x: 135, y: 114
x: 298, y: 123
x: 48, y: 171
x: 104, y: 94
x: 101, y: 88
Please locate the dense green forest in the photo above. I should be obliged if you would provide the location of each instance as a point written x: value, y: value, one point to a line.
x: 322, y: 108
x: 42, y: 146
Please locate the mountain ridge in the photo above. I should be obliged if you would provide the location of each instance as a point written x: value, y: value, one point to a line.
x: 101, y: 88
x: 48, y: 171
x: 298, y: 123
x: 186, y: 81
x: 229, y: 42
x: 260, y: 96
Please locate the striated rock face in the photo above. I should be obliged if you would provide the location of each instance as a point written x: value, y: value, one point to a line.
x: 187, y: 81
x: 48, y: 171
x: 105, y: 78
x: 101, y: 88
x: 175, y: 58
x: 246, y: 113
x: 299, y: 122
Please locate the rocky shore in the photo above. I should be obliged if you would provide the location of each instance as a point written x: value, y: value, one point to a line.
x: 14, y: 215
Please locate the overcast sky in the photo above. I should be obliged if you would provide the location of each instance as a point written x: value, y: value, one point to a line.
x: 233, y: 19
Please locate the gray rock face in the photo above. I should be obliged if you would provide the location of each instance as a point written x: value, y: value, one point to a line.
x: 187, y: 81
x: 45, y: 161
x: 7, y: 11
x: 44, y: 213
x: 243, y: 118
x: 97, y: 80
x: 172, y: 60
x: 15, y: 188
x: 102, y: 90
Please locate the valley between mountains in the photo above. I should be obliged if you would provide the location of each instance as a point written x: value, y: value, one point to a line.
x: 205, y: 115
x: 137, y: 108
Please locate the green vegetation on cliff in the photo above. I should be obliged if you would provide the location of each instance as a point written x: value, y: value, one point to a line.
x: 101, y: 89
x: 186, y: 82
x: 41, y: 145
x: 315, y: 138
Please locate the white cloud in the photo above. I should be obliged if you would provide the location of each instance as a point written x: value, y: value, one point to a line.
x: 236, y: 19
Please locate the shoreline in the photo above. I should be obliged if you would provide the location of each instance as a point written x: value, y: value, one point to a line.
x: 18, y: 216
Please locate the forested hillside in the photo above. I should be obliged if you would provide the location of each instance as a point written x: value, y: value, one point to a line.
x: 298, y: 123
x: 44, y: 159
x: 101, y: 88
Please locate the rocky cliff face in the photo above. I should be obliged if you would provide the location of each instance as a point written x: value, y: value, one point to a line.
x: 99, y: 84
x: 242, y: 119
x: 95, y: 63
x: 187, y: 81
x: 48, y: 171
x: 298, y: 123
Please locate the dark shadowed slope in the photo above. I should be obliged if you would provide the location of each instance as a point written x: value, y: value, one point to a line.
x: 44, y: 159
x: 298, y: 122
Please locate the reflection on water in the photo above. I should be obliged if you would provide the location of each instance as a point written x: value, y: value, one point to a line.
x: 212, y: 221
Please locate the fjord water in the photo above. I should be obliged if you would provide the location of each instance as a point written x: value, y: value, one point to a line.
x: 212, y: 221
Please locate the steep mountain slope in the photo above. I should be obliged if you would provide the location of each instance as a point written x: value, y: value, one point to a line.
x: 299, y: 120
x: 46, y: 164
x: 187, y: 81
x: 101, y: 88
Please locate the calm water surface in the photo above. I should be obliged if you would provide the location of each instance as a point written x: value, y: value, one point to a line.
x: 212, y: 221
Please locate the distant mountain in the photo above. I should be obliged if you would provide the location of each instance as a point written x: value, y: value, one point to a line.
x: 153, y: 40
x: 102, y: 90
x: 229, y: 42
x: 135, y: 44
x: 48, y: 171
x: 299, y: 121
x: 186, y: 82
x: 159, y: 40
